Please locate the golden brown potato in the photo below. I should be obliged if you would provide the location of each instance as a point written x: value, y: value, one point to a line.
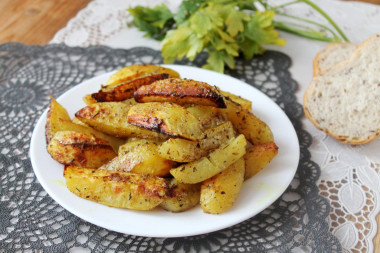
x: 58, y: 120
x: 258, y: 156
x: 181, y: 197
x: 166, y: 118
x: 116, y: 189
x: 111, y: 118
x: 139, y: 70
x: 207, y: 115
x: 78, y: 122
x: 80, y: 149
x: 220, y: 192
x: 141, y: 157
x: 124, y: 90
x: 245, y: 103
x: 181, y: 150
x: 55, y: 114
x: 181, y: 91
x: 255, y: 130
x: 215, y: 162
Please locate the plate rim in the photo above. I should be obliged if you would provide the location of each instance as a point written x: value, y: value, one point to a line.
x: 41, y: 122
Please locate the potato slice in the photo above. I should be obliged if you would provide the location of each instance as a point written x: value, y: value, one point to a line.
x: 181, y: 91
x: 167, y: 118
x: 181, y: 150
x: 219, y: 193
x: 258, y: 156
x: 207, y: 115
x: 141, y: 157
x: 110, y: 118
x: 211, y: 165
x: 116, y: 189
x: 255, y: 130
x: 181, y: 197
x: 55, y: 114
x: 139, y: 70
x: 80, y: 149
x: 125, y: 89
x: 245, y: 103
x: 59, y: 120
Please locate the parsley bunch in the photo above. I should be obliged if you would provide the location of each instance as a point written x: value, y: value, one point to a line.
x: 223, y: 28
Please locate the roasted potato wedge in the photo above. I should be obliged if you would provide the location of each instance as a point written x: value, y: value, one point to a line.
x: 166, y: 118
x: 258, y: 156
x: 255, y: 130
x: 111, y: 118
x: 181, y: 91
x: 116, y: 189
x: 207, y: 115
x: 135, y: 71
x: 59, y: 120
x: 215, y: 162
x: 220, y: 192
x: 141, y: 157
x: 56, y: 113
x: 181, y: 150
x: 181, y: 197
x: 125, y: 89
x: 80, y: 149
x: 245, y: 103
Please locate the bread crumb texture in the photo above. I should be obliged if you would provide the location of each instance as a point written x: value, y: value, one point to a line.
x: 345, y: 101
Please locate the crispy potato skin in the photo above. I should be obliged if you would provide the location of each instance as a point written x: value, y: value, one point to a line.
x: 141, y: 157
x: 126, y: 89
x: 59, y: 120
x: 255, y: 130
x: 55, y: 114
x: 258, y: 156
x: 245, y: 103
x: 167, y: 118
x: 111, y: 118
x: 135, y: 71
x: 80, y: 149
x: 181, y: 197
x: 215, y: 162
x: 116, y: 189
x: 181, y: 91
x: 220, y: 192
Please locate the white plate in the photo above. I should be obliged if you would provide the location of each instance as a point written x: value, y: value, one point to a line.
x: 257, y: 193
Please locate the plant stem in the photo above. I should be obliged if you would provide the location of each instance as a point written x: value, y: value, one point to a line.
x: 313, y: 5
x: 303, y: 33
x: 310, y: 22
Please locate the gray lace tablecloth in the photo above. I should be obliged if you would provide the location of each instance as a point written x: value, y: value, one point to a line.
x: 30, y: 220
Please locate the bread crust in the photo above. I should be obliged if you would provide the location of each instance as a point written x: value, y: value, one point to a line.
x: 317, y: 69
x: 316, y: 74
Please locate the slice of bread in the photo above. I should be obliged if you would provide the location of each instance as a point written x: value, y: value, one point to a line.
x: 344, y: 102
x: 331, y: 55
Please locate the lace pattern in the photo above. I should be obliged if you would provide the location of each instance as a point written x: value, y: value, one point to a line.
x: 30, y: 219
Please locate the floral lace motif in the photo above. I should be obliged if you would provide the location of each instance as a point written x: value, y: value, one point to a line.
x: 30, y: 219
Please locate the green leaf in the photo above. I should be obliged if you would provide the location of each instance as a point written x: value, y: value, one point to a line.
x: 154, y: 21
x: 201, y: 23
x: 180, y: 43
x: 217, y: 59
x: 186, y: 9
x: 250, y: 48
x: 230, y: 48
x: 215, y: 62
x: 235, y: 21
x: 261, y: 30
